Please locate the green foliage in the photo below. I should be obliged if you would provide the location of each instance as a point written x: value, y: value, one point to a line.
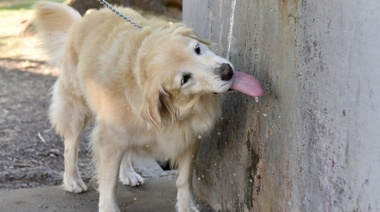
x: 19, y: 4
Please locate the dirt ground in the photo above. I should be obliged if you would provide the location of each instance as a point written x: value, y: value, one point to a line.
x: 31, y: 153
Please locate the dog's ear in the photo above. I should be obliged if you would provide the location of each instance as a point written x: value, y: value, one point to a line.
x: 146, y: 104
x: 158, y: 106
x: 167, y: 107
x: 150, y: 107
x: 182, y: 29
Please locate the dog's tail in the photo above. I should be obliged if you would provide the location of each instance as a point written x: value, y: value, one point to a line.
x: 53, y: 21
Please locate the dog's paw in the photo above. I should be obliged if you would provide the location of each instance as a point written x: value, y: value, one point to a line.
x: 131, y: 179
x: 75, y: 185
x: 104, y: 208
x: 109, y: 210
x: 185, y: 202
x: 187, y: 208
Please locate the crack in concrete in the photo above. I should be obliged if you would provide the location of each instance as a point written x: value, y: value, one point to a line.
x: 231, y: 28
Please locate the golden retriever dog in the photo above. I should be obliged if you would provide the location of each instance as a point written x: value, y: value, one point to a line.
x: 149, y: 91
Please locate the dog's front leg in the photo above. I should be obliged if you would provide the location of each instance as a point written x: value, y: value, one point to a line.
x: 186, y: 161
x: 108, y: 154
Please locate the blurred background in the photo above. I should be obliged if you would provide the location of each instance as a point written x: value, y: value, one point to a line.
x: 16, y: 20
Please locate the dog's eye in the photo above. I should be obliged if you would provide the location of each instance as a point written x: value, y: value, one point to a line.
x: 197, y: 49
x: 185, y: 78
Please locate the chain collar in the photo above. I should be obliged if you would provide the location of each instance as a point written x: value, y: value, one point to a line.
x: 113, y: 9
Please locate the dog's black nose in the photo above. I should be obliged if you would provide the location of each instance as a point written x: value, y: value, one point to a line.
x: 226, y: 72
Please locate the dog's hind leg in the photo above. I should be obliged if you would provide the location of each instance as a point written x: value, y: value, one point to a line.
x: 69, y: 115
x: 128, y: 175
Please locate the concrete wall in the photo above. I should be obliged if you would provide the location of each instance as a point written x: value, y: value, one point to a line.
x: 313, y: 142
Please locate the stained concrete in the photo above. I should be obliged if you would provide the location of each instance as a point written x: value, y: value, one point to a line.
x: 312, y: 142
x: 157, y: 194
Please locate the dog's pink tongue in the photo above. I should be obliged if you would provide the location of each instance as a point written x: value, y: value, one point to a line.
x: 247, y: 84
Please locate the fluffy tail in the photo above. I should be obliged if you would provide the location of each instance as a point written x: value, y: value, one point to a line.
x: 53, y: 21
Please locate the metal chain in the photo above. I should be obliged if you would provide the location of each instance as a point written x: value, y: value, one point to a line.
x: 113, y: 9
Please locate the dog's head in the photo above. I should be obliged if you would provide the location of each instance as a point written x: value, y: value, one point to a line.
x: 175, y: 69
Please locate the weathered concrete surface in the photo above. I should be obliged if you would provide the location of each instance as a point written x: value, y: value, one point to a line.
x: 313, y: 142
x: 157, y: 194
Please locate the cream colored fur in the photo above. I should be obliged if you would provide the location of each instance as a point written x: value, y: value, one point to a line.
x: 131, y: 82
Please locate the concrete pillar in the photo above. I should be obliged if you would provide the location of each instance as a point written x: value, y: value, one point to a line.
x: 313, y: 142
